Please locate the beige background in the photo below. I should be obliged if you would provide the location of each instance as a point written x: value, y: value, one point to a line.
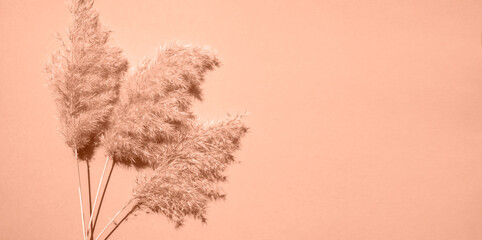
x: 366, y: 118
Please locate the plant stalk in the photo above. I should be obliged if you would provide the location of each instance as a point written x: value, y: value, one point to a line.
x: 122, y: 220
x: 112, y: 220
x: 90, y: 200
x: 102, y: 197
x: 80, y: 194
x: 95, y: 201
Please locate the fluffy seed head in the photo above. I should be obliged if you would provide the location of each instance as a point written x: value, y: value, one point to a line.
x: 85, y: 78
x: 189, y: 171
x: 155, y: 105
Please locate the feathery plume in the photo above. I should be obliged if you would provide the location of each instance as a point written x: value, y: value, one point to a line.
x: 85, y: 79
x: 185, y: 183
x: 155, y: 105
x: 145, y: 120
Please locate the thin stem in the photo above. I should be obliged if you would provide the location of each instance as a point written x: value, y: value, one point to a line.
x: 88, y: 181
x: 112, y: 220
x: 103, y: 194
x: 122, y: 220
x: 80, y: 195
x: 90, y: 200
x: 96, y: 196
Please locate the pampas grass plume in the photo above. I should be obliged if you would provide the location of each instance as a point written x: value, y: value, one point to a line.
x: 184, y: 184
x: 85, y: 78
x: 155, y: 105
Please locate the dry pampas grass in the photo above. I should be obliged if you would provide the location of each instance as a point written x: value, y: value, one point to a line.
x: 155, y: 106
x: 143, y: 120
x: 85, y: 79
x: 187, y: 178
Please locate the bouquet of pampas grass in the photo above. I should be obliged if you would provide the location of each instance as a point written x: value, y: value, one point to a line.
x: 144, y: 121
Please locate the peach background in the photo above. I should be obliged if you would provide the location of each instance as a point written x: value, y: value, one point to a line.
x: 366, y: 118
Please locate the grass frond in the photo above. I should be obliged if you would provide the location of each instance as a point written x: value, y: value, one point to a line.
x: 85, y: 78
x: 155, y: 105
x: 143, y: 119
x: 189, y: 171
